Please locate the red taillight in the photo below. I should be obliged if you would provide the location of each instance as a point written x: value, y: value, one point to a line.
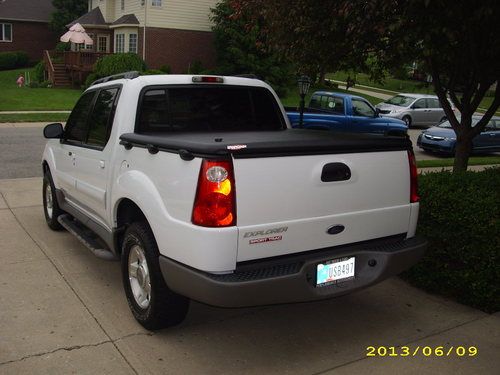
x: 413, y: 177
x: 214, y: 205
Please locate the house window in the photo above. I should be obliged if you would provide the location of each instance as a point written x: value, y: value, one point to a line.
x: 120, y: 43
x: 156, y: 3
x: 122, y: 5
x: 90, y: 46
x: 5, y: 32
x: 132, y: 43
x: 102, y: 43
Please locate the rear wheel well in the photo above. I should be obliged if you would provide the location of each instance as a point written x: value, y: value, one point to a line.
x: 127, y: 213
x: 45, y: 167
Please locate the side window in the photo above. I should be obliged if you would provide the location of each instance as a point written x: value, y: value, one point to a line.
x: 419, y: 104
x: 361, y: 108
x: 315, y: 102
x: 76, y: 127
x: 433, y: 103
x: 102, y: 116
x: 336, y: 104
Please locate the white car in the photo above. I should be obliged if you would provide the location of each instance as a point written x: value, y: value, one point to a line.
x: 201, y: 188
x: 414, y: 109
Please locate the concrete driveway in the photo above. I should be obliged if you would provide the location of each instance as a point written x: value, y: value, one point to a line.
x: 64, y: 311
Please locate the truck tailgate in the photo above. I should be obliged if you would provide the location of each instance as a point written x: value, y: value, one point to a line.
x: 288, y: 204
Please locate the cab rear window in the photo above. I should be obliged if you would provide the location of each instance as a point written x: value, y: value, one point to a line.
x: 193, y: 108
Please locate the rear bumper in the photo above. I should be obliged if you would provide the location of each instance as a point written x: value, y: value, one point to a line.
x: 292, y: 279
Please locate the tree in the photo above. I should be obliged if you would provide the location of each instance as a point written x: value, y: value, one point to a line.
x: 323, y: 36
x: 66, y: 12
x: 458, y: 41
x: 241, y: 44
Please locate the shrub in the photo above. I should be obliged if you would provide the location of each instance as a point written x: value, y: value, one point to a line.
x: 196, y: 67
x: 12, y: 60
x: 22, y: 59
x: 91, y: 78
x: 62, y: 46
x: 151, y: 72
x: 34, y: 85
x: 460, y: 216
x: 119, y: 63
x: 39, y: 72
x: 7, y: 60
x: 166, y: 69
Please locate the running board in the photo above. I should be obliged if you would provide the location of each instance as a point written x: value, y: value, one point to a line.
x: 86, y: 237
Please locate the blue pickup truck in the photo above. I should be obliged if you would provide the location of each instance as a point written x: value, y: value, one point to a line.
x: 346, y: 113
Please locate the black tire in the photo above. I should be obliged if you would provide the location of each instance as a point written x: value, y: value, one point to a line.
x: 407, y: 120
x: 165, y: 308
x: 49, y: 199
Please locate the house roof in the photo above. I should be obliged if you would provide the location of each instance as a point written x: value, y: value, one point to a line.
x: 127, y: 19
x: 94, y: 17
x: 26, y: 10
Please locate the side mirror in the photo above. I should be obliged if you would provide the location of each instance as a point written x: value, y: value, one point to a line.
x: 53, y: 131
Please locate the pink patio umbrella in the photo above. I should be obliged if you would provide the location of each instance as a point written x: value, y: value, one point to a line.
x: 77, y: 34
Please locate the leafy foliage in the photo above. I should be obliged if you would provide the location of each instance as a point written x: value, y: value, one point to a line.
x: 119, y: 63
x: 460, y: 216
x: 241, y: 43
x: 459, y: 47
x: 39, y: 72
x: 66, y: 12
x: 12, y: 60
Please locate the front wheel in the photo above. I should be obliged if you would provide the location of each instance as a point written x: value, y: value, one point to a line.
x: 152, y: 303
x: 51, y: 208
x: 407, y: 120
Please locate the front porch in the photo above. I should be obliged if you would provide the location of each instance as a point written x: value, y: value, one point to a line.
x: 70, y: 68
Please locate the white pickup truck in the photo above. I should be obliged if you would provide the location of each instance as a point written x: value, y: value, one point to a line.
x: 201, y: 187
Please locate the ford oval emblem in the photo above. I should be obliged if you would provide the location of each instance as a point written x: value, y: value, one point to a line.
x: 335, y: 229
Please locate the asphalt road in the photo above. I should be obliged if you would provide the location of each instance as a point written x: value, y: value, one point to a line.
x: 21, y: 150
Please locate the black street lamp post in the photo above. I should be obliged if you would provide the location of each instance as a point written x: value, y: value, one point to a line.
x: 304, y: 83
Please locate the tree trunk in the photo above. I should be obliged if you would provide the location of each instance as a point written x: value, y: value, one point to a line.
x: 462, y: 153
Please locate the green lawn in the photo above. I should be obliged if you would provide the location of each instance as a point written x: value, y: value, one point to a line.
x: 13, y: 98
x: 34, y: 117
x: 448, y: 162
x: 292, y: 99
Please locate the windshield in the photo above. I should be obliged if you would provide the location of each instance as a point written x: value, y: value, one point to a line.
x: 400, y: 100
x: 447, y: 124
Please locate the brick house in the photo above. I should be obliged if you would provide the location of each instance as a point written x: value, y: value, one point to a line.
x: 163, y: 32
x: 24, y: 26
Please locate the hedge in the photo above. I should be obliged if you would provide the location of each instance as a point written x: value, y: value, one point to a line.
x: 460, y: 216
x: 13, y: 60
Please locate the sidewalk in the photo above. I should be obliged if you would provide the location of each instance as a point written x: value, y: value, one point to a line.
x: 62, y: 310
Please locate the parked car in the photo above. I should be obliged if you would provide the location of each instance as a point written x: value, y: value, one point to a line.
x: 413, y: 109
x: 442, y: 138
x: 346, y: 113
x: 204, y: 191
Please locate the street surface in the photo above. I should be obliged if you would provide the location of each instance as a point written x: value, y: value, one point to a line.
x: 21, y: 148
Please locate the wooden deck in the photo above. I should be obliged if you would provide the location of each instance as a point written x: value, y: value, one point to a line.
x: 69, y: 67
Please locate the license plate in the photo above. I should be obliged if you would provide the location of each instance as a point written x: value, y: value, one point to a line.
x: 334, y: 271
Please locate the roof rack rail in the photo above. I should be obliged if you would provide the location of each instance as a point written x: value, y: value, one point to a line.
x: 127, y: 75
x: 252, y: 76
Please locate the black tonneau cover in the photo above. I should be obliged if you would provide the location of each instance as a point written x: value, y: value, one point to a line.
x: 287, y: 142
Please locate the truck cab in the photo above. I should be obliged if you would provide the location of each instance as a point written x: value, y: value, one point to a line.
x: 345, y: 113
